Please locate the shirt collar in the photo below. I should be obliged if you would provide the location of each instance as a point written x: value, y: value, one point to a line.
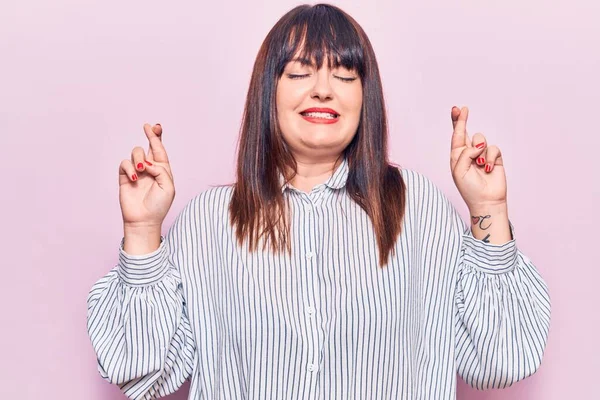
x: 336, y: 181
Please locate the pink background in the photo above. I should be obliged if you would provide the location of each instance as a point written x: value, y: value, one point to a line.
x: 78, y: 79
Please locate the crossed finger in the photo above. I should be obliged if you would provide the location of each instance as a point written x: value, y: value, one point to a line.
x: 460, y: 137
x: 156, y: 150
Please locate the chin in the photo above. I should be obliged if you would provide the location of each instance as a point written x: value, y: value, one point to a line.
x: 323, y: 143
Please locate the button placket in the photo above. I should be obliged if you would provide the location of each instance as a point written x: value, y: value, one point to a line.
x: 311, y: 264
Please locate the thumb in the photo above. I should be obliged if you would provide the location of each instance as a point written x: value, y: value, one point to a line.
x: 466, y: 158
x: 162, y: 177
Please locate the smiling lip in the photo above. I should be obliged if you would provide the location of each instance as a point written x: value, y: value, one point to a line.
x: 315, y: 120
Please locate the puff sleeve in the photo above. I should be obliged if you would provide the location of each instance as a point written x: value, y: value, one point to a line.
x: 137, y: 320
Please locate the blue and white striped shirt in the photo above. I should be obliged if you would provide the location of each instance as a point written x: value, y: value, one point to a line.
x: 325, y: 322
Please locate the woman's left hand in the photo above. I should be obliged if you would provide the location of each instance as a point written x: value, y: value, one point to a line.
x: 477, y: 169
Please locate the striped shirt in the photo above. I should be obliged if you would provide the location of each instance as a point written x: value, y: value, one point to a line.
x: 326, y: 322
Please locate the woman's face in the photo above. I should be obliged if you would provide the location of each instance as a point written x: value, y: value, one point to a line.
x: 318, y: 110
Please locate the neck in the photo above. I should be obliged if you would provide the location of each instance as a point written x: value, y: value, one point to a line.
x: 312, y: 173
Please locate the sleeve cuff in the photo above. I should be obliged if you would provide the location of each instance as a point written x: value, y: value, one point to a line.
x: 488, y: 257
x: 143, y: 269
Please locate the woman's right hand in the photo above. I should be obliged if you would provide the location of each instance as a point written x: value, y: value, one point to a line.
x: 146, y: 188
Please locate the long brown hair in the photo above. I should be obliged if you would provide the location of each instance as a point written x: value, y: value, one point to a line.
x: 258, y: 209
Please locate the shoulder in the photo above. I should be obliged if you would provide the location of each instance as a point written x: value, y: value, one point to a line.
x: 210, y: 204
x: 419, y: 184
x: 421, y: 191
x: 430, y: 210
x: 214, y: 198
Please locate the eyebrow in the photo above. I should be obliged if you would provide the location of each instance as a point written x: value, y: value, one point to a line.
x: 304, y: 61
x: 310, y: 63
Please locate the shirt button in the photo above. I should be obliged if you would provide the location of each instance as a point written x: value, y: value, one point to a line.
x: 310, y: 254
x: 310, y: 310
x: 312, y: 367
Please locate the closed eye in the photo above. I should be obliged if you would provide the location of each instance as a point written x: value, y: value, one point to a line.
x: 341, y: 78
x: 346, y: 79
x: 297, y: 76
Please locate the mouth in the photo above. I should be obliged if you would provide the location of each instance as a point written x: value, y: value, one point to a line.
x: 320, y: 115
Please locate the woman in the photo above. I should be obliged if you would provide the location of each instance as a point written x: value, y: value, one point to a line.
x: 324, y: 271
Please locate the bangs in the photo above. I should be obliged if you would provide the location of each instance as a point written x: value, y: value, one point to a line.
x: 316, y: 34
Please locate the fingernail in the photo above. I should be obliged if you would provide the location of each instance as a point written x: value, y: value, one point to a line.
x: 134, y: 177
x: 480, y: 160
x: 488, y: 168
x: 148, y: 162
x: 140, y: 166
x: 159, y: 124
x: 480, y: 145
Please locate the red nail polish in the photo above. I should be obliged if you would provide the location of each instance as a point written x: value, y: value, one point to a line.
x: 148, y: 162
x: 480, y: 160
x: 480, y: 145
x: 488, y: 168
x: 140, y: 166
x: 134, y: 177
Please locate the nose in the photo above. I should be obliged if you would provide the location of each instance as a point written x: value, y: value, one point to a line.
x: 322, y: 89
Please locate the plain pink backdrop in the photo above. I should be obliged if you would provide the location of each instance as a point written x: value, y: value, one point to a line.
x: 78, y: 79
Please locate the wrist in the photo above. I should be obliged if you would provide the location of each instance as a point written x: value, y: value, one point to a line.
x: 141, y: 228
x: 489, y: 223
x: 489, y: 209
x: 141, y: 239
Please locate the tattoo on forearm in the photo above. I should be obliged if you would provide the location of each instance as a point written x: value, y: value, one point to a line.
x: 478, y: 220
x: 486, y: 239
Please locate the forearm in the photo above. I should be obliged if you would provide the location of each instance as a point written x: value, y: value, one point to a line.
x: 490, y: 223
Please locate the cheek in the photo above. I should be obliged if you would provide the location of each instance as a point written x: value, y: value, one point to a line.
x: 351, y: 98
x: 358, y: 99
x: 286, y: 104
x: 353, y: 103
x: 289, y: 97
